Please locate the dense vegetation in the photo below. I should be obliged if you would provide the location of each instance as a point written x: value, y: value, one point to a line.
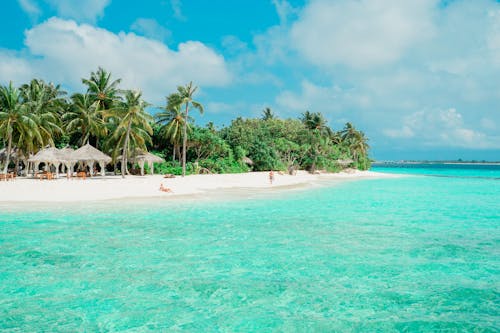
x: 40, y: 114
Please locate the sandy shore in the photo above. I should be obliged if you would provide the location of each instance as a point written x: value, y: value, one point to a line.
x: 115, y: 187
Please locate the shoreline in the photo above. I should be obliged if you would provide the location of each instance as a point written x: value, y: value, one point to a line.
x: 25, y: 190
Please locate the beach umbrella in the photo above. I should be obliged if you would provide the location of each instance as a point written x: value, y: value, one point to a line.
x: 91, y: 155
x: 50, y: 155
x: 67, y: 159
x: 147, y: 157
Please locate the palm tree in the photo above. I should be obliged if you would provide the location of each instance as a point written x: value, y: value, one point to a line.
x: 133, y: 127
x: 15, y: 122
x: 355, y: 140
x: 184, y: 96
x: 83, y: 117
x: 267, y: 114
x: 173, y: 121
x: 315, y: 121
x: 103, y: 91
x: 45, y: 102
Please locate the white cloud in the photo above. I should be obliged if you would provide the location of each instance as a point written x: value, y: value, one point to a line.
x: 441, y: 128
x: 80, y: 10
x: 141, y: 62
x: 361, y: 33
x: 330, y: 100
x: 151, y: 28
x: 31, y: 8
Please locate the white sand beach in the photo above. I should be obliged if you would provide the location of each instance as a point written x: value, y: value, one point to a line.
x: 114, y: 187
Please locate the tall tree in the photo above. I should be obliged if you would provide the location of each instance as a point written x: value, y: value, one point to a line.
x: 103, y: 91
x: 84, y: 117
x: 184, y: 97
x: 173, y: 123
x: 133, y: 129
x: 46, y: 103
x: 15, y: 122
x: 355, y: 141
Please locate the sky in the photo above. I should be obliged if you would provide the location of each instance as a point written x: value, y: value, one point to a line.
x: 420, y: 77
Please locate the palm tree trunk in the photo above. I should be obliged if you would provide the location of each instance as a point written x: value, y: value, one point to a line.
x: 125, y: 151
x: 184, y: 142
x: 7, y: 159
x: 173, y: 152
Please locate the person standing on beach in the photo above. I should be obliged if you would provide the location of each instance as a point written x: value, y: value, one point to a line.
x: 271, y: 177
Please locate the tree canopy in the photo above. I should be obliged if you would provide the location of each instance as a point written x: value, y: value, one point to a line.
x: 116, y: 121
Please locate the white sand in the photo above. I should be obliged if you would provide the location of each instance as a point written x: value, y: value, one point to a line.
x: 115, y: 187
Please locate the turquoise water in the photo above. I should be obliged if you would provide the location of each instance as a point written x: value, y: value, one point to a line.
x: 415, y: 254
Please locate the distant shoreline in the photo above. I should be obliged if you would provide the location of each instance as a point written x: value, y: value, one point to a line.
x: 434, y: 162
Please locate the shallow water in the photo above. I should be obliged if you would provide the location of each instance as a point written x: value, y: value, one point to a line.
x: 402, y: 254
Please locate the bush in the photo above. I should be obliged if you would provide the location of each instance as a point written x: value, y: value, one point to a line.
x: 174, y: 168
x: 223, y: 165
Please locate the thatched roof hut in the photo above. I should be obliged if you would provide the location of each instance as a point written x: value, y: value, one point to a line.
x: 48, y: 155
x: 88, y: 153
x: 146, y: 157
x: 66, y: 154
x: 91, y: 155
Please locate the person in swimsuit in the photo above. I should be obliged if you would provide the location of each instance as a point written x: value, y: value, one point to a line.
x: 165, y: 189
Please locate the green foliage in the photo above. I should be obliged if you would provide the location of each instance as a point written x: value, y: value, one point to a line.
x: 223, y: 165
x: 115, y: 121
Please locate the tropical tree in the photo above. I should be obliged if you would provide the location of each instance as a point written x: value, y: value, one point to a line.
x: 103, y: 92
x: 102, y: 89
x: 16, y: 124
x: 133, y: 125
x: 267, y: 114
x: 85, y: 118
x: 44, y: 102
x: 355, y: 141
x: 184, y: 97
x: 173, y: 123
x: 315, y: 121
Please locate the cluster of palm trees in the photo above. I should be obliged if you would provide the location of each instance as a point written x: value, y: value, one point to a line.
x: 349, y: 138
x: 37, y: 114
x: 40, y: 114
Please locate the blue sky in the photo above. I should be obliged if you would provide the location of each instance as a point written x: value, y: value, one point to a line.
x: 421, y: 77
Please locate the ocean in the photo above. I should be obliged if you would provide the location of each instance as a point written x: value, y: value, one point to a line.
x: 417, y: 253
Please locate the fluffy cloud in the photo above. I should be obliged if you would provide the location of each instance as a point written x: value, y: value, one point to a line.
x: 151, y: 28
x: 361, y: 33
x: 139, y: 61
x: 30, y: 7
x: 441, y: 128
x: 80, y: 10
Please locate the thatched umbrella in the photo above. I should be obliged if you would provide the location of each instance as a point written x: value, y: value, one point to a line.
x: 90, y: 155
x: 147, y: 157
x: 67, y: 159
x: 48, y: 156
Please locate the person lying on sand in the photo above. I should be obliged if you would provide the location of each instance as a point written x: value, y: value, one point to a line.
x: 165, y: 189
